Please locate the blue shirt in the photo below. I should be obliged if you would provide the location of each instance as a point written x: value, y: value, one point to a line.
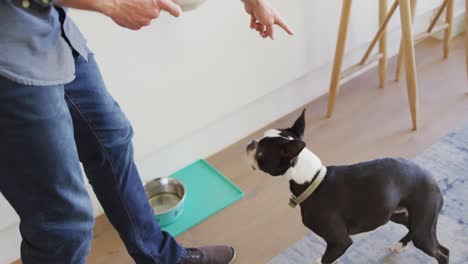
x: 37, y: 40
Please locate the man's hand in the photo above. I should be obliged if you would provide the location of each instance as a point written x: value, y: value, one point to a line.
x: 263, y: 17
x: 132, y: 14
x: 135, y: 14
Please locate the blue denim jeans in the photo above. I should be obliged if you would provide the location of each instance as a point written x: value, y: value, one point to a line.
x: 45, y: 132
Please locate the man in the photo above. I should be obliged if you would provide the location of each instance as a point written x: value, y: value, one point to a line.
x: 55, y: 111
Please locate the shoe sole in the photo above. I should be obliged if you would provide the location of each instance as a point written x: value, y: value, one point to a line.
x: 233, y: 257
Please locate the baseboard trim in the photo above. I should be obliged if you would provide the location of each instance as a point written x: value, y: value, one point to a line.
x: 457, y: 28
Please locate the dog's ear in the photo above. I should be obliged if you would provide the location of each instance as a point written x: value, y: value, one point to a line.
x: 292, y: 148
x: 299, y: 126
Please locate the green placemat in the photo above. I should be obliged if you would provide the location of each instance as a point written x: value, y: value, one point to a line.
x: 208, y: 192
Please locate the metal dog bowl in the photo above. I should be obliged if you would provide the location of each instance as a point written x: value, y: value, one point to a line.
x: 166, y: 196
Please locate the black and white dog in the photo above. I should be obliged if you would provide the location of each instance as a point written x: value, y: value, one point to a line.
x: 339, y: 201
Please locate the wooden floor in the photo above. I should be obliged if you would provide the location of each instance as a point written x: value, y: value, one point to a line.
x: 368, y: 123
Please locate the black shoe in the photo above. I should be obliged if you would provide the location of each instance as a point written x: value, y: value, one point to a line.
x: 209, y: 255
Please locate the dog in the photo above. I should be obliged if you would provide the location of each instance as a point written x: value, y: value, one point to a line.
x: 337, y: 202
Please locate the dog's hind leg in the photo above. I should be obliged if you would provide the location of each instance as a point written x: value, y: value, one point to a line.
x: 444, y: 250
x: 402, y: 244
x: 441, y: 248
x: 423, y: 226
x: 444, y: 254
x: 431, y: 248
x: 426, y: 241
x: 401, y: 218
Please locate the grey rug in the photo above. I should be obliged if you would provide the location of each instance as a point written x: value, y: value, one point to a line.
x: 448, y: 160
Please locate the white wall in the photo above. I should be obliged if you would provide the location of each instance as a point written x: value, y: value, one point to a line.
x: 193, y: 85
x: 179, y: 75
x: 321, y: 26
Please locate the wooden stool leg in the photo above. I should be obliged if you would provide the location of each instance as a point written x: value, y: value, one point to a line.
x: 437, y: 16
x: 399, y: 62
x: 383, y: 45
x: 339, y: 55
x: 448, y: 31
x: 380, y: 33
x: 408, y: 43
x: 402, y: 51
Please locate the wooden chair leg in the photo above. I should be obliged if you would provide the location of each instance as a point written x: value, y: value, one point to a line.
x: 399, y: 62
x: 380, y: 32
x: 402, y: 51
x: 339, y: 55
x: 410, y: 61
x: 383, y: 45
x: 448, y: 31
x: 437, y: 16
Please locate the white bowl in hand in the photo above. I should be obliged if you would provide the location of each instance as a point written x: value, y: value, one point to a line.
x: 187, y: 5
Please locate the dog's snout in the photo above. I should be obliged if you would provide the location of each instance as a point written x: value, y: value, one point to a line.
x: 252, y: 145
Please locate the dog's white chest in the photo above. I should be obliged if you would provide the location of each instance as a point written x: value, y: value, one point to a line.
x: 306, y: 166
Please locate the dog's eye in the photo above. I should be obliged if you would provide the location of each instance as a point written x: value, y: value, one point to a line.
x: 253, y: 167
x: 260, y: 154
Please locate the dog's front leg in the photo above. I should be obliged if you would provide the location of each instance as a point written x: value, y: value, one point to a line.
x: 335, y: 250
x: 319, y: 261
